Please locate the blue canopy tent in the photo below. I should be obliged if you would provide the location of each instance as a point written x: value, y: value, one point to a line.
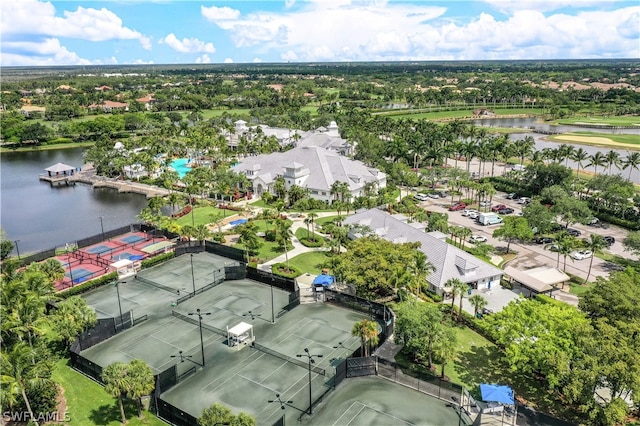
x: 497, y: 393
x: 323, y: 280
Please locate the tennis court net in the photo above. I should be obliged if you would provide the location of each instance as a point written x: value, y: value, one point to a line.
x: 194, y: 320
x: 292, y: 360
x: 155, y: 284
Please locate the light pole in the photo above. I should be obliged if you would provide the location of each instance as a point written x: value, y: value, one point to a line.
x: 118, y: 293
x: 311, y: 361
x: 184, y: 358
x: 273, y: 313
x: 193, y: 278
x: 199, y: 313
x: 17, y: 248
x: 281, y: 402
x: 102, y: 228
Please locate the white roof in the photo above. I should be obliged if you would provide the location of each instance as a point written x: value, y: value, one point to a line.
x: 240, y: 329
x: 121, y: 263
x: 59, y: 167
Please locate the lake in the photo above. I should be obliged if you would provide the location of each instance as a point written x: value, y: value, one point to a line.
x: 40, y: 216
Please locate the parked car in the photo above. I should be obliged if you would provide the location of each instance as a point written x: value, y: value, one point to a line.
x: 474, y: 215
x: 554, y: 247
x: 498, y: 207
x: 506, y: 210
x: 467, y: 212
x: 512, y: 196
x: 594, y: 222
x: 609, y: 240
x: 421, y: 197
x: 485, y: 203
x: 444, y: 194
x: 457, y: 206
x: 433, y: 195
x: 524, y: 200
x: 573, y: 232
x: 477, y: 239
x: 582, y: 254
x: 543, y: 240
x: 555, y: 227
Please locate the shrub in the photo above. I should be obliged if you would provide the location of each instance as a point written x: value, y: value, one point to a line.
x: 543, y: 298
x: 630, y: 224
x: 147, y: 263
x: 89, y: 285
x: 310, y: 243
x: 57, y: 141
x: 280, y: 269
x: 43, y: 397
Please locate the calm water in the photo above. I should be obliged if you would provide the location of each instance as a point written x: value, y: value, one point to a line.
x: 42, y: 217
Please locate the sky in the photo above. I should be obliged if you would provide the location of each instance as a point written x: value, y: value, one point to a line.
x: 49, y: 33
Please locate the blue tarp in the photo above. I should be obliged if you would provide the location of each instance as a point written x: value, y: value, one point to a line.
x: 325, y: 280
x: 496, y: 393
x: 238, y: 222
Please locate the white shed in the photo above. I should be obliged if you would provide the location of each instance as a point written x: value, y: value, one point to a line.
x: 241, y: 334
x: 126, y: 268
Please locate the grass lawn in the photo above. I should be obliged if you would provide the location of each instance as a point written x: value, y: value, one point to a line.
x: 578, y: 289
x: 319, y: 221
x: 310, y: 262
x: 204, y: 215
x: 480, y: 361
x: 302, y: 233
x: 48, y: 147
x: 619, y: 260
x: 268, y: 251
x: 609, y: 121
x: 89, y: 404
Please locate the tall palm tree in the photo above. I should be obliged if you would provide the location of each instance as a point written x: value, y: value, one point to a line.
x: 565, y: 244
x: 141, y: 380
x: 284, y: 235
x: 579, y: 156
x: 595, y: 243
x: 478, y: 302
x: 446, y: 346
x: 565, y: 152
x: 525, y: 148
x: 612, y: 159
x: 420, y: 267
x: 117, y: 383
x: 53, y: 269
x: 367, y: 331
x: 19, y: 372
x: 458, y: 288
x: 596, y: 160
x: 249, y: 239
x: 632, y: 161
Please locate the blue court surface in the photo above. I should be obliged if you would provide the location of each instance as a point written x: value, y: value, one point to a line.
x: 123, y: 255
x: 98, y: 249
x: 132, y: 239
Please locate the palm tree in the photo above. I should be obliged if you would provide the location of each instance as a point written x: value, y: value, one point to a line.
x: 284, y: 235
x: 565, y: 245
x: 457, y: 288
x: 595, y: 243
x: 565, y: 152
x: 421, y: 267
x: 367, y: 331
x: 19, y: 372
x: 445, y: 347
x: 525, y: 148
x: 312, y: 219
x: 632, y: 161
x: 612, y: 159
x: 141, y: 380
x: 596, y: 160
x: 201, y: 232
x: 579, y: 156
x: 249, y: 239
x: 117, y: 383
x: 53, y: 269
x: 478, y: 302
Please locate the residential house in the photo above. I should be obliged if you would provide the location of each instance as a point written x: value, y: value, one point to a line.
x: 449, y: 261
x: 27, y: 110
x: 311, y: 167
x: 110, y: 106
x: 148, y: 101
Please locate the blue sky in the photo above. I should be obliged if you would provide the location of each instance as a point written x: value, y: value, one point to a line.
x: 35, y: 32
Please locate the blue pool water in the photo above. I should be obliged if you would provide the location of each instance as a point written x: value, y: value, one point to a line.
x: 238, y: 222
x: 180, y: 166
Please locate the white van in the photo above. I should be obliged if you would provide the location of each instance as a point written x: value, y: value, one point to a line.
x: 518, y: 167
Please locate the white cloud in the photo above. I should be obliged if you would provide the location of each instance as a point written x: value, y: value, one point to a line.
x: 141, y: 62
x: 47, y: 52
x: 204, y: 59
x: 215, y: 14
x: 508, y: 6
x: 228, y: 60
x: 378, y: 30
x: 187, y: 45
x: 289, y: 3
x: 33, y: 17
x: 257, y: 60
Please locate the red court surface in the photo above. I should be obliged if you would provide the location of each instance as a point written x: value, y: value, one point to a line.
x: 93, y: 261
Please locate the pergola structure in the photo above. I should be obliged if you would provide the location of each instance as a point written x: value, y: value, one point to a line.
x: 538, y: 280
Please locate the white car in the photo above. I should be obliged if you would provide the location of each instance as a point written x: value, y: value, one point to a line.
x: 582, y: 254
x: 421, y: 197
x: 467, y: 212
x: 474, y: 215
x: 485, y: 203
x: 478, y: 239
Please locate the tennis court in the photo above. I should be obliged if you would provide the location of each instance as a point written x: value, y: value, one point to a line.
x: 132, y: 239
x: 181, y: 274
x: 158, y: 343
x: 366, y: 401
x: 247, y: 379
x: 99, y: 249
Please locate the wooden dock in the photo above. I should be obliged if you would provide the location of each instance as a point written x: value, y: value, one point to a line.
x: 59, y: 180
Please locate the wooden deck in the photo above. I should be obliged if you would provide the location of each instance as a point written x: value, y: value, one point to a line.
x: 59, y: 180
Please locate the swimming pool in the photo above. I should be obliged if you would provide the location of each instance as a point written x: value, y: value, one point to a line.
x: 180, y: 165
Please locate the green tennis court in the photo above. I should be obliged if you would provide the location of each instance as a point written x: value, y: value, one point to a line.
x: 368, y: 401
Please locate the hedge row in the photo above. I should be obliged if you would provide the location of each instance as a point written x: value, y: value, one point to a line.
x: 89, y: 285
x: 310, y: 243
x: 279, y: 269
x: 632, y: 225
x: 548, y: 300
x: 147, y: 263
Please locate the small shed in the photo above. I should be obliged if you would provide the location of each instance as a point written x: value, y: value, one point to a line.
x: 126, y: 268
x: 240, y: 335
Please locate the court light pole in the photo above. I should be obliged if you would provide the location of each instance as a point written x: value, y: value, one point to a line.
x: 281, y: 402
x: 17, y: 248
x: 193, y: 278
x: 118, y: 293
x: 273, y: 313
x: 311, y: 359
x: 199, y: 313
x: 184, y: 358
x: 102, y: 228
